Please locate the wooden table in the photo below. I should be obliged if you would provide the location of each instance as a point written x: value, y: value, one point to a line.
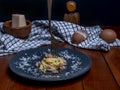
x: 103, y: 75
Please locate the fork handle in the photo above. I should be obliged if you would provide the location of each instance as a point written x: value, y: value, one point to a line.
x: 49, y: 9
x: 49, y: 15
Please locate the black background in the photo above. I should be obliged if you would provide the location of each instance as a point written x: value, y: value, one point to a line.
x: 92, y: 12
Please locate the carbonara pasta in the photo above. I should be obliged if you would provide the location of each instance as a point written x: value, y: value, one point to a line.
x: 51, y: 64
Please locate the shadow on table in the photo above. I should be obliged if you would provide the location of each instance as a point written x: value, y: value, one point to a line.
x: 19, y: 79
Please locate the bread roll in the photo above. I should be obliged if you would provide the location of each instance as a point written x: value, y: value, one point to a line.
x: 79, y: 36
x: 108, y: 35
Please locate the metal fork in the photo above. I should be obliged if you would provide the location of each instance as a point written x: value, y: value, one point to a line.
x: 54, y: 42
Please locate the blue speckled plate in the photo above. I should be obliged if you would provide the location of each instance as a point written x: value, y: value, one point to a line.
x: 23, y: 64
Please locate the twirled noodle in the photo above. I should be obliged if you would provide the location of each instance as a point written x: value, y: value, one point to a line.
x: 51, y: 63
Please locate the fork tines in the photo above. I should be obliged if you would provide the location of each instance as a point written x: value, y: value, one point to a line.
x: 54, y: 46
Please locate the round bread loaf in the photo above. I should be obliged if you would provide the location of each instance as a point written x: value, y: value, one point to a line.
x: 108, y: 35
x: 79, y: 36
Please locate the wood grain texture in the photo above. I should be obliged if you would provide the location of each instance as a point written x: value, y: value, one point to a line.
x: 113, y: 59
x: 103, y: 75
x: 10, y: 81
x: 99, y: 77
x: 77, y: 85
x: 4, y: 77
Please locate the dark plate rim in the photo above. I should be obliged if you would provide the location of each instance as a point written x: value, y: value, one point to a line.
x: 50, y: 80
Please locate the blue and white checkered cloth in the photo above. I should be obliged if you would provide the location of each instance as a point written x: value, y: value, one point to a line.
x: 62, y: 31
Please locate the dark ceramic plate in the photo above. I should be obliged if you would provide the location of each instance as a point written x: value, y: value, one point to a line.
x: 23, y: 64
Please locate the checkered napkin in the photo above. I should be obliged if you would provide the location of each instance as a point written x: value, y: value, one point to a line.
x: 62, y: 31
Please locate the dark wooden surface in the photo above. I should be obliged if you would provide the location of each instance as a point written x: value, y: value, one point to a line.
x: 103, y: 75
